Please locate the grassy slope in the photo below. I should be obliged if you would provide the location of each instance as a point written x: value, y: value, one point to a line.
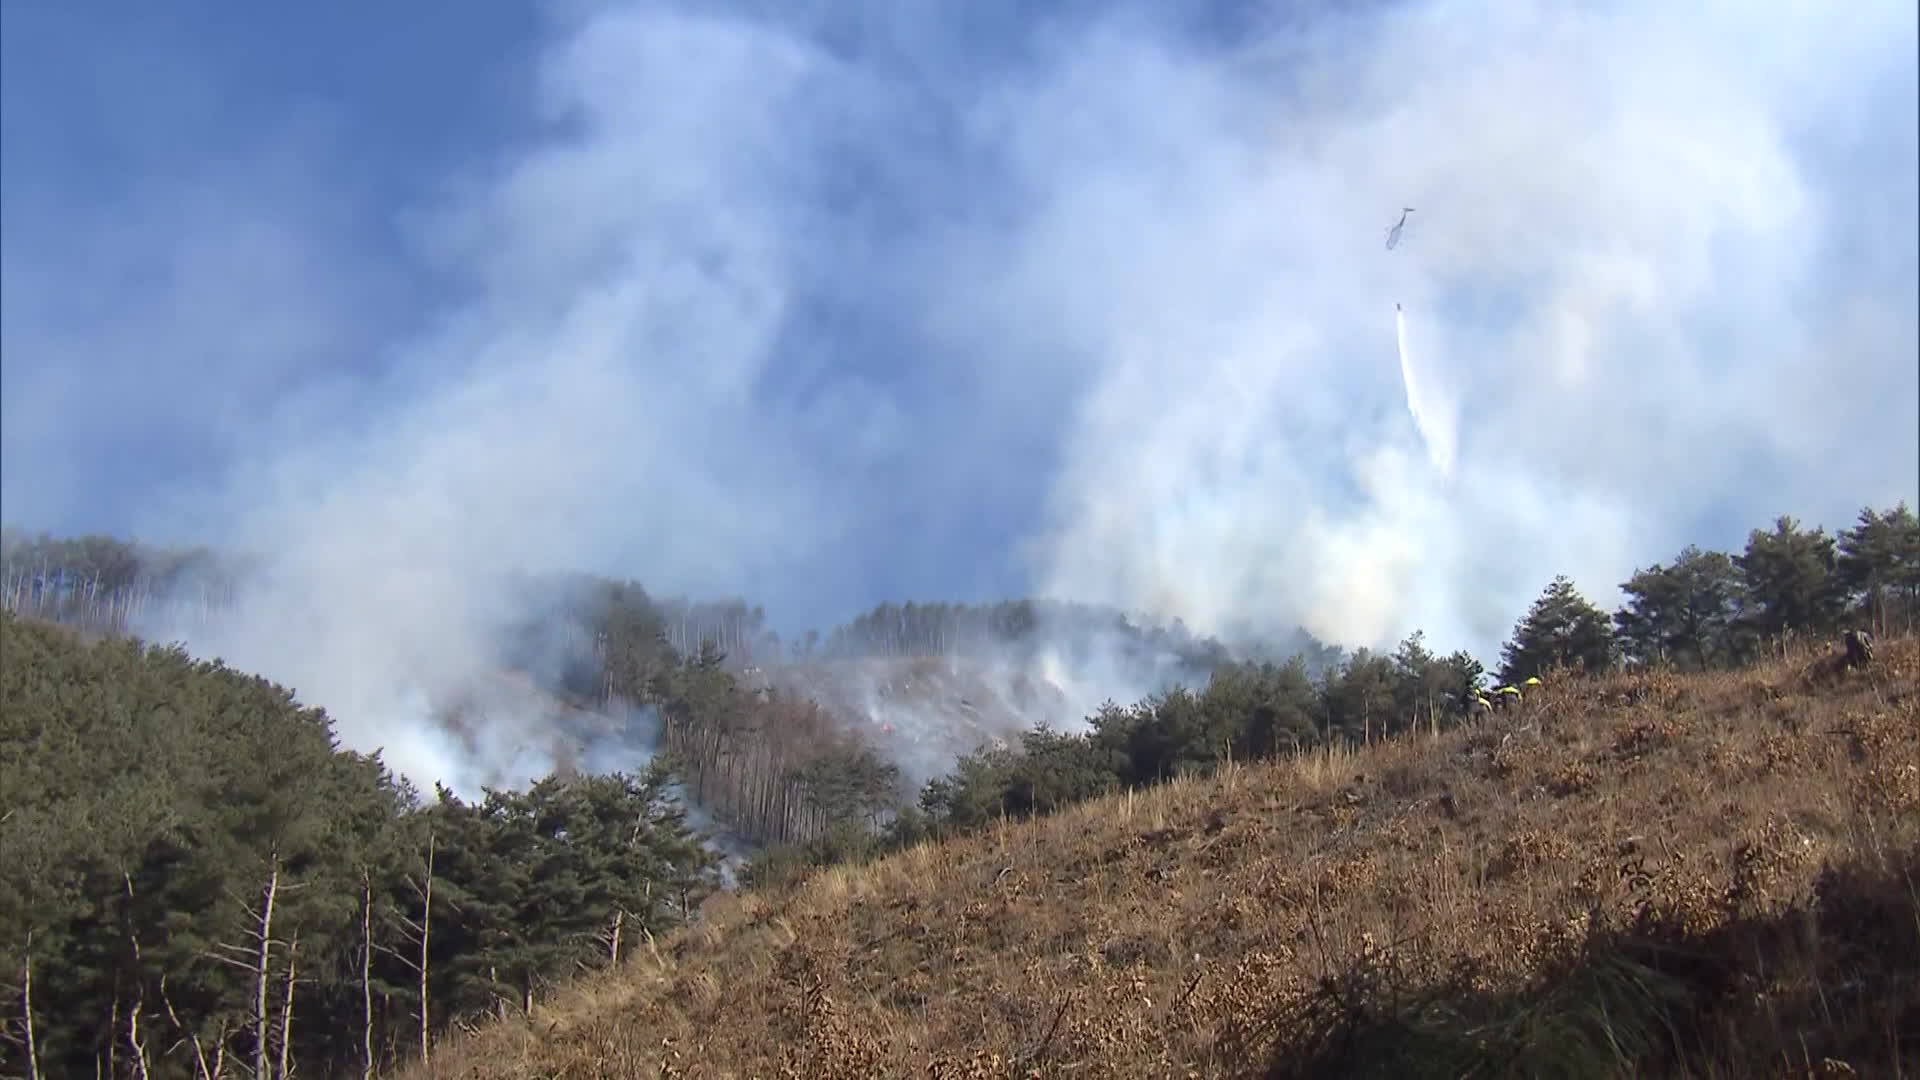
x: 1629, y: 867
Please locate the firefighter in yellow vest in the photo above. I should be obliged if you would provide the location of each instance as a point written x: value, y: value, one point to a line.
x: 1478, y: 707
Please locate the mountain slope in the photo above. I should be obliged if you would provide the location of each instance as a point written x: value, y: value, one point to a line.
x: 1715, y: 871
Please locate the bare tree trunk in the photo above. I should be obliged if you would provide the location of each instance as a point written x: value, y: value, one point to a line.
x: 133, y: 1018
x: 261, y: 970
x: 26, y: 1007
x: 133, y: 1039
x: 420, y: 934
x: 286, y: 1011
x: 366, y: 972
x: 426, y: 922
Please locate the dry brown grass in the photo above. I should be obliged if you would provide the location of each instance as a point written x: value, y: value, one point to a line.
x: 1701, y: 875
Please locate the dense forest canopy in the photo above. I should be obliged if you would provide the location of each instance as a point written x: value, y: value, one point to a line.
x: 197, y: 871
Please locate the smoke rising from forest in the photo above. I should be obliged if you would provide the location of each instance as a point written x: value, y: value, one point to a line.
x: 823, y: 310
x: 1639, y: 226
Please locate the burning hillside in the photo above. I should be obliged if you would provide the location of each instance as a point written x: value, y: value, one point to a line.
x: 921, y: 713
x: 1644, y: 874
x: 525, y: 732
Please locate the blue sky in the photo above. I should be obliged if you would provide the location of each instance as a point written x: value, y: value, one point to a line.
x: 831, y: 303
x: 152, y: 152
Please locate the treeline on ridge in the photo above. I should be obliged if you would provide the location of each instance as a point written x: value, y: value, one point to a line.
x: 1703, y: 609
x: 774, y: 770
x: 109, y: 585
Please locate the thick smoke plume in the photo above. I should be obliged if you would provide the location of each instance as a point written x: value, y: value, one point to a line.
x: 1647, y: 236
x: 822, y: 307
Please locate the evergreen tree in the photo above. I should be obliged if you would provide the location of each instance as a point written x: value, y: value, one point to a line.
x: 1055, y: 771
x: 1683, y: 613
x: 1270, y: 708
x: 1429, y: 687
x: 1561, y: 629
x: 1878, y: 560
x: 1789, y: 581
x: 1360, y: 696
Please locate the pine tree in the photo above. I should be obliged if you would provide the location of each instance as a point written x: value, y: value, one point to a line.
x: 1359, y: 696
x: 1561, y: 629
x: 1683, y: 613
x: 1789, y: 582
x: 1879, y: 562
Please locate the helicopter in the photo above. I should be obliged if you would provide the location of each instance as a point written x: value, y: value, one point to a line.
x: 1393, y: 235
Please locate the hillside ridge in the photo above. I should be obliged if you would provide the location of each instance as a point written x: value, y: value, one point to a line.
x: 1436, y: 894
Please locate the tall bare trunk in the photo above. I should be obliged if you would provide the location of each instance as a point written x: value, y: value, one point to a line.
x: 420, y: 934
x: 286, y: 1010
x: 133, y: 1039
x: 261, y: 970
x: 133, y: 1017
x: 366, y: 973
x: 426, y: 923
x: 26, y: 1008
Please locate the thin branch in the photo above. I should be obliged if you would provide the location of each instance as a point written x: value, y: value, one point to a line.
x: 1034, y: 1055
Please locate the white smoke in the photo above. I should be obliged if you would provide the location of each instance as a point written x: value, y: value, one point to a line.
x: 1121, y: 289
x: 1636, y: 261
